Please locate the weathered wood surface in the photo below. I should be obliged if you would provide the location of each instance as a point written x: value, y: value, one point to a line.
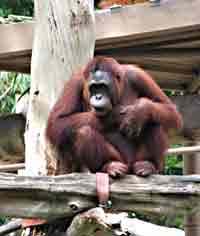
x: 132, y: 25
x: 139, y: 24
x: 90, y: 223
x: 163, y: 40
x: 97, y: 222
x: 65, y: 196
x: 183, y: 150
x: 16, y: 39
x: 12, y: 167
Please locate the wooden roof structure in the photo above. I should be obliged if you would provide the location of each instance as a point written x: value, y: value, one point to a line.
x: 164, y: 40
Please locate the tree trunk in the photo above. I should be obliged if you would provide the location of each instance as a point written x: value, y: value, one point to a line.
x: 64, y: 41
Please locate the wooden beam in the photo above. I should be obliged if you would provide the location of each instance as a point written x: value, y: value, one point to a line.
x: 15, y: 39
x: 12, y: 167
x: 186, y: 44
x: 156, y: 39
x: 137, y: 21
x: 143, y: 22
x: 65, y: 196
x: 134, y: 26
x: 183, y: 150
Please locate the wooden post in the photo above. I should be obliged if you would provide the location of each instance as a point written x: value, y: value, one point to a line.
x: 192, y: 166
x: 64, y: 40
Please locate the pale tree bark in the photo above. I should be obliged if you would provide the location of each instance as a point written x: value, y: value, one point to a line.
x: 98, y: 223
x: 64, y: 41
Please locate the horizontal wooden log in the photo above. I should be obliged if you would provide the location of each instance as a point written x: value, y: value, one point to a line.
x: 141, y: 23
x: 12, y: 167
x: 140, y: 27
x: 148, y: 21
x: 16, y: 39
x: 187, y: 44
x: 65, y: 196
x: 16, y: 61
x: 183, y: 150
x: 160, y: 59
x: 153, y: 39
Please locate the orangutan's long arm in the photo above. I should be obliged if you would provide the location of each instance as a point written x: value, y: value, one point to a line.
x: 157, y: 105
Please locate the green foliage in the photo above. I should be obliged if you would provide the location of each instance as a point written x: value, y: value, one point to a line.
x: 173, y: 93
x: 12, y: 85
x: 18, y: 7
x: 174, y: 164
x: 2, y: 220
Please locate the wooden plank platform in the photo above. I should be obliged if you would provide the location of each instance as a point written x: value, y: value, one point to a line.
x: 52, y: 197
x: 165, y: 40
